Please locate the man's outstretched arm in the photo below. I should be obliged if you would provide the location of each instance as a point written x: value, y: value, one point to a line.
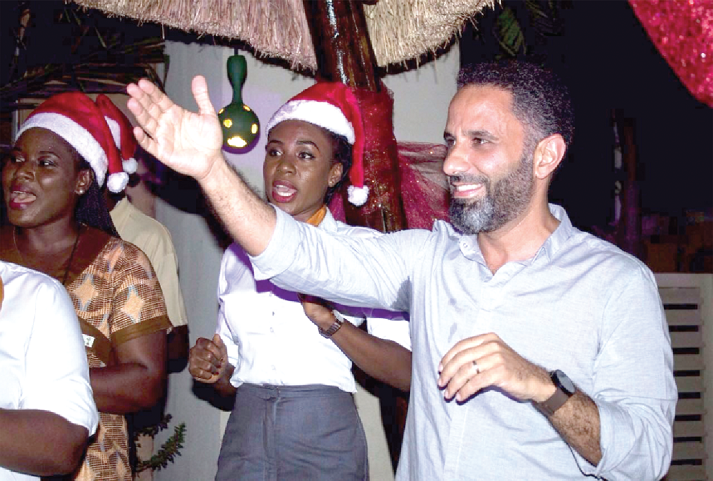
x: 190, y: 143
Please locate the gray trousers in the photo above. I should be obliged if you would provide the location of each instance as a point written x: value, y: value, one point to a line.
x: 293, y: 433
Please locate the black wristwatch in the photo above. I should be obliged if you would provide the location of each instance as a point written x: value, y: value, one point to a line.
x: 564, y: 390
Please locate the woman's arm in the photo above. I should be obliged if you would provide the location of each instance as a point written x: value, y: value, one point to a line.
x: 138, y: 379
x: 40, y: 442
x: 381, y: 359
x: 384, y: 360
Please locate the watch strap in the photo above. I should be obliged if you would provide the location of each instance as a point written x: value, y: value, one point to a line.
x: 551, y: 405
x: 557, y: 400
x: 338, y: 321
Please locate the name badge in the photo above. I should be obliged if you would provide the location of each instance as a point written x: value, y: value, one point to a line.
x: 88, y: 341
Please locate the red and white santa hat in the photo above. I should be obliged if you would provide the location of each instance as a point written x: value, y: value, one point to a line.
x: 332, y: 106
x: 98, y: 131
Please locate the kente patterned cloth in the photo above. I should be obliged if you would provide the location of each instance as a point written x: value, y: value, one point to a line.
x: 682, y: 31
x: 117, y: 298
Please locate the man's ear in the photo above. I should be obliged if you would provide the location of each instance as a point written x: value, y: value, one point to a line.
x: 548, y: 155
x: 84, y: 181
x: 335, y: 173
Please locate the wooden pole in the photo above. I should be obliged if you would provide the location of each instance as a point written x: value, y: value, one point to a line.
x: 341, y: 43
x: 344, y: 54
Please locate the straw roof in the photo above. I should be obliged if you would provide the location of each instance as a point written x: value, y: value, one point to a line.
x: 400, y: 30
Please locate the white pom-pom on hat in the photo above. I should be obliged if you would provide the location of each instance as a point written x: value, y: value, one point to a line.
x: 357, y: 196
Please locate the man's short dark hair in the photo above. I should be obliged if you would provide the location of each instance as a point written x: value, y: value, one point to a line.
x: 540, y: 100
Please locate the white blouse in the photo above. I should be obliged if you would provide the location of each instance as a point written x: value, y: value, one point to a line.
x: 269, y: 338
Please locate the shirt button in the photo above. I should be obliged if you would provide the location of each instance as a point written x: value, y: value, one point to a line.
x: 272, y: 329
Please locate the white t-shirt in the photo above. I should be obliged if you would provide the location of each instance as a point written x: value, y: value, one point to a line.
x: 43, y: 364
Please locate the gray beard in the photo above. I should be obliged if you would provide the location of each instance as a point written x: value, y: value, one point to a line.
x: 503, y: 201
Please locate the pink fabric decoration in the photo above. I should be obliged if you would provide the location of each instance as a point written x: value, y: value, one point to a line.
x: 424, y: 187
x: 682, y: 31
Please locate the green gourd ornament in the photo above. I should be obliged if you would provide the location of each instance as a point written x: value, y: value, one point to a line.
x: 240, y: 124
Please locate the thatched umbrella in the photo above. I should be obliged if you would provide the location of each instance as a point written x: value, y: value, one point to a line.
x: 400, y: 30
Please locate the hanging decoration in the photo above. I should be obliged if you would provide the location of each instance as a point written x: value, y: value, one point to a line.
x: 682, y: 31
x: 240, y: 124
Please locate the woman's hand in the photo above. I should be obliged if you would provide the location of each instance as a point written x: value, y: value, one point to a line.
x: 208, y: 360
x: 188, y: 142
x: 318, y: 310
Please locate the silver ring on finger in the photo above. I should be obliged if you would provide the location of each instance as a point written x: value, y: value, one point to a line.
x: 477, y: 368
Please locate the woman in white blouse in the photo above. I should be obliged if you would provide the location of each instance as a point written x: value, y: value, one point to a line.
x: 294, y: 416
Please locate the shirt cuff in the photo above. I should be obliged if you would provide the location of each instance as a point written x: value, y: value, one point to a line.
x: 279, y: 254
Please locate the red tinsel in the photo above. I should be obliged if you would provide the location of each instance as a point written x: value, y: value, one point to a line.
x: 424, y: 187
x: 407, y: 174
x: 682, y: 31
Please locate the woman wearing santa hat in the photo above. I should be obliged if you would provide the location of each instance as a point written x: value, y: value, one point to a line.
x: 59, y: 225
x: 286, y: 357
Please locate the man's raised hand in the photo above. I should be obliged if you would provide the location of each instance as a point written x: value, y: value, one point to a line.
x: 188, y: 142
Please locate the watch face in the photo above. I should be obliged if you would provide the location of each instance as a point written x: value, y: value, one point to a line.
x: 561, y: 378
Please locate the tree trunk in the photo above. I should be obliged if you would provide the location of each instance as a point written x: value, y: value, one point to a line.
x: 344, y: 54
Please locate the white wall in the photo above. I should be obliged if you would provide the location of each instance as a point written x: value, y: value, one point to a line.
x: 420, y: 105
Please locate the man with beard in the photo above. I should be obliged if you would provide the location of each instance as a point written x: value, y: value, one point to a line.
x: 503, y: 302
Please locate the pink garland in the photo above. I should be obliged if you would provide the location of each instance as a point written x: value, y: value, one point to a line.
x: 682, y: 31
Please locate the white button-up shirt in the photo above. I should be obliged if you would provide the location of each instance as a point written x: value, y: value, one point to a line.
x: 269, y: 338
x: 580, y: 305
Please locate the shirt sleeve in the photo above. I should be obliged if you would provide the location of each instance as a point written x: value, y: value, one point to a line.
x: 166, y: 267
x: 634, y: 387
x: 394, y: 328
x: 138, y: 307
x: 366, y: 272
x: 57, y: 374
x: 232, y: 269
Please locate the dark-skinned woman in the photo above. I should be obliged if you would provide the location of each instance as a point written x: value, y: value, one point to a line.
x: 59, y: 225
x: 294, y: 415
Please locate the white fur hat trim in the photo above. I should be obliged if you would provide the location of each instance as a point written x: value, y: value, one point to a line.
x: 75, y: 135
x: 322, y: 114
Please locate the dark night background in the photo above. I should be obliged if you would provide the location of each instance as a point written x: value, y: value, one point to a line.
x: 605, y: 56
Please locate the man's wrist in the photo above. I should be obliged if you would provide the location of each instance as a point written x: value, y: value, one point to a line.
x: 216, y: 173
x: 546, y: 392
x: 564, y: 388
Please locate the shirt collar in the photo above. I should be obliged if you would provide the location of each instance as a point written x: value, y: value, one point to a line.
x: 558, y: 238
x: 120, y: 213
x: 471, y: 250
x: 329, y: 223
